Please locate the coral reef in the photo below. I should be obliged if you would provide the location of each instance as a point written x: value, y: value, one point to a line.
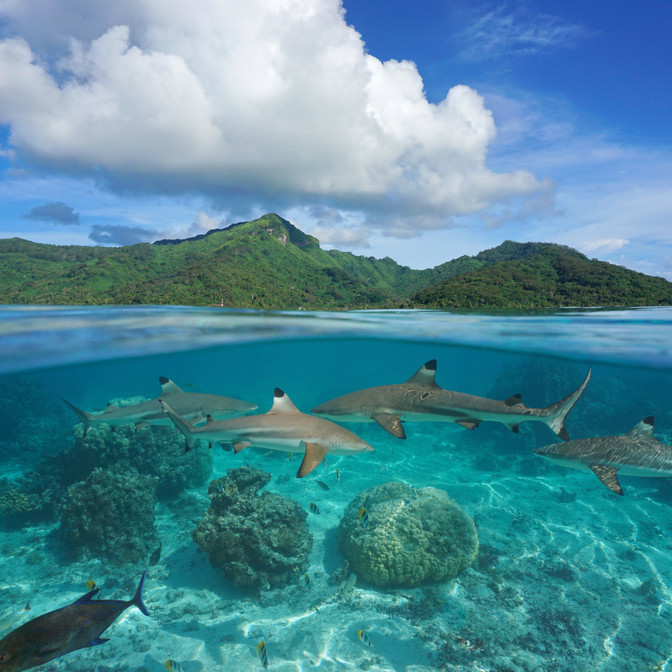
x: 17, y: 505
x: 110, y: 515
x: 411, y: 537
x: 153, y: 451
x: 259, y: 541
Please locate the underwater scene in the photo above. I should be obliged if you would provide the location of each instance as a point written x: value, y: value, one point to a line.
x: 410, y: 491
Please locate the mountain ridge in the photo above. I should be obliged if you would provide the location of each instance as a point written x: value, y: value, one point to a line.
x: 271, y: 264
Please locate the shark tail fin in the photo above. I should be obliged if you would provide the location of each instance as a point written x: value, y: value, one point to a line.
x: 183, y: 425
x: 556, y: 413
x: 82, y: 415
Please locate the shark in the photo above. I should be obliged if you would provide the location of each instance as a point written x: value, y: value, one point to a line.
x: 195, y: 406
x: 283, y: 428
x: 637, y: 453
x: 421, y: 399
x: 52, y: 635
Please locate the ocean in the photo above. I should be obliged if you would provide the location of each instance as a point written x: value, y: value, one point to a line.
x: 567, y: 574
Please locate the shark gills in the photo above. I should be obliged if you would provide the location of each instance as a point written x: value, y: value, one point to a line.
x: 637, y: 453
x: 283, y: 428
x: 421, y: 399
x: 195, y: 406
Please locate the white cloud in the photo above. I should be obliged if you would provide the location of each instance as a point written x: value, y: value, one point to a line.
x: 501, y: 32
x: 606, y: 246
x: 258, y: 103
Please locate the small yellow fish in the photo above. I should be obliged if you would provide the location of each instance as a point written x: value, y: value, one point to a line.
x: 364, y: 638
x: 363, y: 517
x: 91, y: 585
x: 263, y: 654
x: 313, y: 507
x: 173, y: 666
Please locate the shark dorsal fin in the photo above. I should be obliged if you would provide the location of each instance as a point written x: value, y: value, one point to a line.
x: 425, y: 375
x: 514, y: 400
x: 643, y: 428
x: 282, y: 403
x: 168, y: 387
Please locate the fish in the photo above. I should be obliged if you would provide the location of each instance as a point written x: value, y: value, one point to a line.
x: 195, y: 406
x: 8, y: 621
x: 313, y: 508
x: 56, y: 633
x: 307, y: 582
x: 262, y: 653
x: 173, y: 666
x: 421, y: 399
x: 91, y: 585
x: 323, y: 485
x: 155, y: 556
x: 220, y: 485
x: 283, y: 428
x: 349, y: 584
x: 338, y: 476
x: 637, y: 453
x: 363, y: 517
x: 364, y: 638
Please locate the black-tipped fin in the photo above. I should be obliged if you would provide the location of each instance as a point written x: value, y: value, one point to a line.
x: 608, y: 476
x: 168, y: 387
x: 643, y: 428
x: 514, y: 400
x: 282, y: 403
x: 425, y: 375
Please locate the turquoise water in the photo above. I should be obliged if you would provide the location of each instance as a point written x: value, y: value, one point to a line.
x: 569, y: 575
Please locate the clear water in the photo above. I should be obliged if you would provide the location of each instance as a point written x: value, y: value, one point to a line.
x: 569, y: 575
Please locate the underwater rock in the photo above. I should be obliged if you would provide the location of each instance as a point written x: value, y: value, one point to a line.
x: 110, y: 515
x: 152, y: 451
x: 412, y: 536
x: 258, y: 541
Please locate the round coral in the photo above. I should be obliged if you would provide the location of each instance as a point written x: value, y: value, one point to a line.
x: 411, y: 537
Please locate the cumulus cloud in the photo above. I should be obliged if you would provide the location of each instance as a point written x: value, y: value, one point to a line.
x: 606, y: 246
x: 56, y: 212
x: 118, y: 234
x: 264, y: 103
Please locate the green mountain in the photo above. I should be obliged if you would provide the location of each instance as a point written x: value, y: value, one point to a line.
x: 269, y: 263
x: 544, y: 275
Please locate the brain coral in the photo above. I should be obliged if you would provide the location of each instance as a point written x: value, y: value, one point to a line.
x: 412, y: 536
x: 258, y: 541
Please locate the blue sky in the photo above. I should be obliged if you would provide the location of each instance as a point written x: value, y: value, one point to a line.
x: 417, y: 130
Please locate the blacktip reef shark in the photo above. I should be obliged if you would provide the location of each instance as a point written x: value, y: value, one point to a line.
x: 195, y: 406
x: 76, y: 626
x: 421, y: 399
x: 283, y: 428
x: 637, y: 453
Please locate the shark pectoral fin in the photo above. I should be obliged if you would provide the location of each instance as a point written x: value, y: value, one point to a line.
x: 608, y: 476
x: 239, y: 445
x: 515, y: 429
x: 391, y: 423
x: 311, y: 458
x: 467, y: 424
x: 514, y: 400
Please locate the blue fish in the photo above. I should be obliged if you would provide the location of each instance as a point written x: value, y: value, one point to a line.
x: 64, y: 630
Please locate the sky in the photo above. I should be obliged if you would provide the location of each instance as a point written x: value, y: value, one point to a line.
x: 421, y: 130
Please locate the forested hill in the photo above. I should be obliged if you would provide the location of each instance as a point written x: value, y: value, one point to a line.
x: 269, y: 263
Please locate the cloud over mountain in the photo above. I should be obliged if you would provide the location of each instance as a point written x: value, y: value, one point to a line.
x: 265, y: 103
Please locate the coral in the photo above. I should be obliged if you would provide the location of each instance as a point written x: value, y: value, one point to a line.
x: 19, y: 506
x: 152, y: 451
x: 259, y: 541
x: 412, y: 536
x: 111, y: 514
